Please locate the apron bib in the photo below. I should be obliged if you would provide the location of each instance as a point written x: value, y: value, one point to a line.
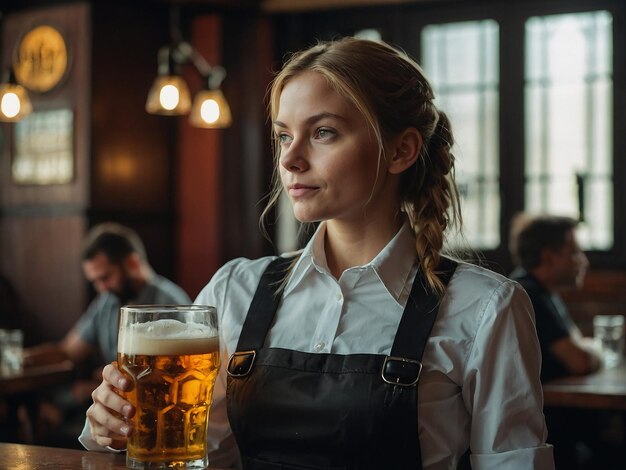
x: 291, y: 410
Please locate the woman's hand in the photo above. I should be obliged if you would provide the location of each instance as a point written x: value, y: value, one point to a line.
x: 108, y: 408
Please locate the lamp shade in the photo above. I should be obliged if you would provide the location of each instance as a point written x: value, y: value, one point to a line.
x: 169, y: 96
x: 210, y: 110
x: 14, y: 102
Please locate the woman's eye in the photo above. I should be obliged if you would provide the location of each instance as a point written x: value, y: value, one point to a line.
x: 283, y: 138
x: 324, y: 133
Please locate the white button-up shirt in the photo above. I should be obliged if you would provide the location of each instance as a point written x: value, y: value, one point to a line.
x: 479, y: 387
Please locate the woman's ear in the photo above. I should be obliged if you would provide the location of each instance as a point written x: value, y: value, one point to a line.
x: 405, y: 150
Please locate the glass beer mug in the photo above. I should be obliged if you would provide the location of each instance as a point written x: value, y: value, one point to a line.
x: 171, y: 355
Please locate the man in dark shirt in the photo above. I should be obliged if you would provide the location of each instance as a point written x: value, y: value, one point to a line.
x: 548, y: 261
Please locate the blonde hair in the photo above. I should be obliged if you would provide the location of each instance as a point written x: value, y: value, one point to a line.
x: 389, y: 89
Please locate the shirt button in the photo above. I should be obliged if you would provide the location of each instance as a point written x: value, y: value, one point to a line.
x: 338, y: 297
x: 319, y: 346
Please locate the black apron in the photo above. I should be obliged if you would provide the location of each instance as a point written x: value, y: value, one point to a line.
x: 291, y: 410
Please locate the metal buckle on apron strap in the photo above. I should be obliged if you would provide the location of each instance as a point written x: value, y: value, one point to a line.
x: 401, y: 371
x: 240, y: 363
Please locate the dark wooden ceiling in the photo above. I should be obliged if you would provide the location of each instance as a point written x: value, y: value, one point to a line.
x: 270, y: 6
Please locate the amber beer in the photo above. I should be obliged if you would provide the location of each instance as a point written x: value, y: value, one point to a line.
x: 171, y: 355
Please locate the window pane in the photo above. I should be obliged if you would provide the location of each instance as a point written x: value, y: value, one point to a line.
x: 461, y: 61
x: 371, y: 34
x: 569, y: 133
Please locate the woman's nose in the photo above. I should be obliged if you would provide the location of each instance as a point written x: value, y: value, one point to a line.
x: 293, y: 158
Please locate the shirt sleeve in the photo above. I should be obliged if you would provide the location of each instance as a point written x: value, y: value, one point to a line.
x: 502, y: 389
x: 88, y: 443
x: 221, y: 444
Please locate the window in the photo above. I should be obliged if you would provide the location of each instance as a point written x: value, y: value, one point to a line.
x: 568, y: 121
x: 461, y: 62
x: 567, y: 128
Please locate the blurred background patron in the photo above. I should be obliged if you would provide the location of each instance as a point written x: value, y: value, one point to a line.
x: 115, y: 263
x: 549, y: 261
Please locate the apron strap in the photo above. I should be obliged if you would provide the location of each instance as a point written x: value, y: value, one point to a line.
x: 263, y: 306
x: 259, y: 318
x: 420, y: 314
x: 403, y: 366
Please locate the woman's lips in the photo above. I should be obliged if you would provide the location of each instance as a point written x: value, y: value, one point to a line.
x: 299, y: 190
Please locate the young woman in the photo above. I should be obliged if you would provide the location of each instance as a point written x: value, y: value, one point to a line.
x: 369, y: 349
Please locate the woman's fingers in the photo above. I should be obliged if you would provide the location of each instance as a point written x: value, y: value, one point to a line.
x: 105, y: 426
x: 106, y: 414
x: 114, y: 377
x: 105, y: 395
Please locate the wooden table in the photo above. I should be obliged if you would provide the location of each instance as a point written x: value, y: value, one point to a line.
x: 27, y: 457
x: 36, y: 378
x: 22, y: 390
x: 603, y: 390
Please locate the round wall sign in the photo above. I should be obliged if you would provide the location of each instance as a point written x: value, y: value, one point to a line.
x: 40, y: 59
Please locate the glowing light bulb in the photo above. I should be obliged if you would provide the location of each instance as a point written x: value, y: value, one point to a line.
x: 10, y: 105
x: 169, y: 97
x: 210, y: 111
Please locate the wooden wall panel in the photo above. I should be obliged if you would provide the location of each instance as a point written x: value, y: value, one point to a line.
x: 124, y: 158
x: 132, y: 150
x: 247, y: 156
x: 73, y: 93
x: 41, y: 226
x: 199, y: 186
x: 132, y: 158
x: 41, y: 257
x: 224, y: 174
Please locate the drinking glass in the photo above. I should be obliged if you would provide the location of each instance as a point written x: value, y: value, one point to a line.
x: 608, y: 332
x: 171, y: 355
x: 11, y: 352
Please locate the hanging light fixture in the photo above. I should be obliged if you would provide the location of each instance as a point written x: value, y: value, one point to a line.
x: 210, y: 108
x: 170, y: 94
x: 14, y: 100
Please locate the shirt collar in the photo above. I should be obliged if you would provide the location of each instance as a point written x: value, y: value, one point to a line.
x: 393, y: 265
x: 311, y: 257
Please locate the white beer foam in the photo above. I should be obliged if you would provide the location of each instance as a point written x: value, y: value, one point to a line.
x: 167, y: 338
